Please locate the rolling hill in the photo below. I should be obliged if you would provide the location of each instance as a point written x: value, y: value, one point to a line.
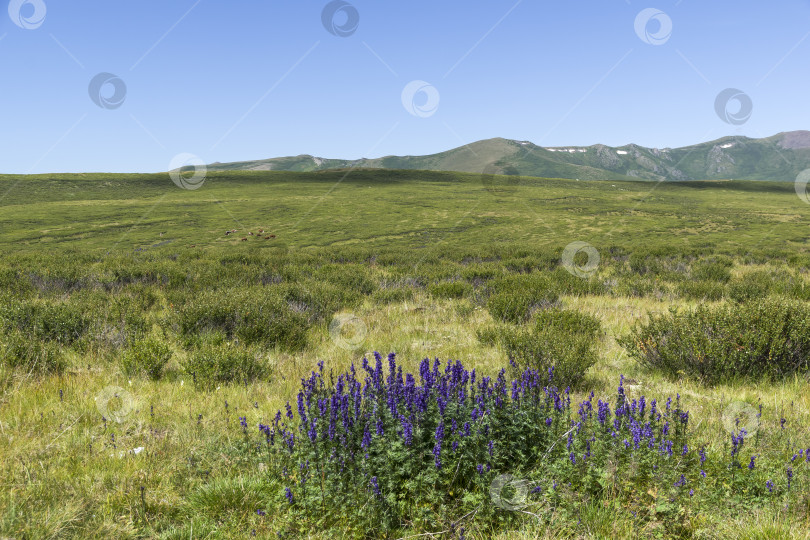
x: 780, y: 157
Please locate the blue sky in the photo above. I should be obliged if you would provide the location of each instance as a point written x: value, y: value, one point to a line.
x: 249, y: 79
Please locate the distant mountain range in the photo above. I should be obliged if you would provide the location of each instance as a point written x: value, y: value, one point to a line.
x: 779, y: 158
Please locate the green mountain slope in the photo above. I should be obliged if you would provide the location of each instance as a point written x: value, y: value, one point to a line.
x: 780, y: 157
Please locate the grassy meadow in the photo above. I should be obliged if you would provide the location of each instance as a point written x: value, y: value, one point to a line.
x: 141, y: 347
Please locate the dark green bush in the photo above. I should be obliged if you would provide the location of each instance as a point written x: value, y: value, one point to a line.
x: 317, y: 300
x: 716, y: 271
x: 21, y: 351
x: 63, y: 322
x: 254, y: 316
x: 799, y: 290
x: 224, y: 362
x: 565, y: 339
x: 479, y: 272
x: 751, y: 286
x: 117, y: 320
x: 762, y: 283
x: 702, y: 290
x: 638, y: 287
x: 146, y: 356
x: 767, y: 339
x: 564, y: 282
x: 515, y: 298
x: 349, y: 277
x: 392, y: 295
x: 530, y: 263
x: 450, y: 289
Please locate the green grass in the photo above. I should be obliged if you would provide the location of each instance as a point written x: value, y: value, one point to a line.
x: 386, y: 209
x: 410, y: 258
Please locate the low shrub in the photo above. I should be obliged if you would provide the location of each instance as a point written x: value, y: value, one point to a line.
x: 62, y: 322
x: 21, y: 351
x: 118, y: 321
x: 316, y: 300
x: 252, y: 316
x: 637, y: 287
x: 751, y: 286
x: 564, y: 282
x: 449, y: 289
x: 147, y: 356
x: 766, y: 339
x: 642, y: 264
x: 392, y: 295
x: 566, y: 340
x: 225, y: 362
x: 350, y: 277
x: 702, y: 290
x: 530, y: 263
x: 480, y: 272
x: 515, y: 298
x: 718, y: 271
x: 762, y: 283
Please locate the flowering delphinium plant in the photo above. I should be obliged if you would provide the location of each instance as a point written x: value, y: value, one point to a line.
x: 394, y: 448
x: 398, y: 440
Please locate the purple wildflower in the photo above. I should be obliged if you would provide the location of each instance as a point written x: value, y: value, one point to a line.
x: 437, y: 449
x: 407, y: 431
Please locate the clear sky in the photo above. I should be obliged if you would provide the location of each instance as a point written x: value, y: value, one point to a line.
x: 251, y: 79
